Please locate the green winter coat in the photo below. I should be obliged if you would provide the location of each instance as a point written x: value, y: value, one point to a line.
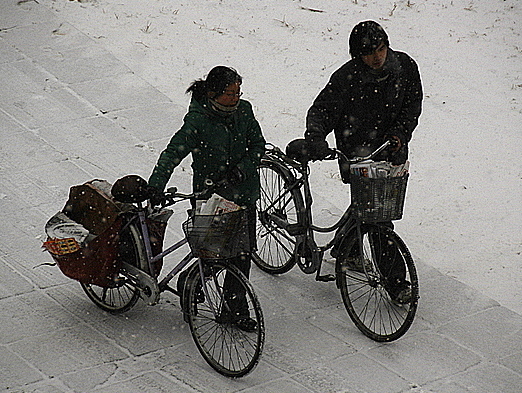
x: 218, y: 143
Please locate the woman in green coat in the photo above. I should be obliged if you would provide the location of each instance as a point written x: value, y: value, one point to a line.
x: 226, y: 142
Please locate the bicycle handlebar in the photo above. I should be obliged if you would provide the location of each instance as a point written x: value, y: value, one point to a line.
x: 333, y: 154
x: 172, y: 196
x: 355, y: 160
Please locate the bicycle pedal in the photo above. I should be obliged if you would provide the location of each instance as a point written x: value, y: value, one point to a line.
x: 325, y: 278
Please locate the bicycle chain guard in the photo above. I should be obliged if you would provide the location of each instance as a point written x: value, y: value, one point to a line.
x: 148, y: 286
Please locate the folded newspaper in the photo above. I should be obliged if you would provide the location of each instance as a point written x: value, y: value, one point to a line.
x: 216, y: 204
x: 379, y: 169
x: 62, y: 227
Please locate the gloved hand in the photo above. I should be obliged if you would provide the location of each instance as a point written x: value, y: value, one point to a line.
x: 317, y: 149
x: 396, y: 143
x: 235, y: 176
x: 156, y: 196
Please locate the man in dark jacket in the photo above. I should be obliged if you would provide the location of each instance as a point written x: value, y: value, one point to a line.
x: 375, y: 96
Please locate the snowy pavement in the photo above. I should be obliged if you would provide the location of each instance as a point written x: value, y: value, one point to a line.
x: 71, y: 112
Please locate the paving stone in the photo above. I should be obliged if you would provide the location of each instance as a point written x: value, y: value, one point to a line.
x: 12, y: 283
x: 31, y: 315
x: 352, y: 373
x: 152, y: 122
x: 123, y: 90
x: 65, y: 350
x: 494, y: 333
x: 14, y: 371
x: 454, y: 302
x: 27, y: 100
x: 288, y: 343
x: 8, y: 53
x: 424, y: 357
x: 14, y: 14
x: 277, y: 386
x: 485, y: 378
x: 40, y: 36
x: 152, y: 382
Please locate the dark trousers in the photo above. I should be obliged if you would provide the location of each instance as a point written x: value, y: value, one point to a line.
x: 234, y: 291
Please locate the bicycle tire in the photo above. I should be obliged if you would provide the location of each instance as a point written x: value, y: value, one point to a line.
x: 368, y: 288
x: 229, y: 350
x: 124, y: 294
x: 276, y: 253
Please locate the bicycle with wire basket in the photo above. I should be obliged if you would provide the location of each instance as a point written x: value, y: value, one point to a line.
x: 208, y: 304
x: 374, y: 269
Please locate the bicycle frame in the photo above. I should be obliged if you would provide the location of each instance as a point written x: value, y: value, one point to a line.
x: 151, y: 289
x: 305, y: 234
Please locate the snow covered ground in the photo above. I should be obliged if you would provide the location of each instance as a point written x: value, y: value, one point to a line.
x: 464, y: 203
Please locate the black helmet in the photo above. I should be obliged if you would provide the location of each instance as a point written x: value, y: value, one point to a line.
x: 366, y: 37
x: 130, y: 189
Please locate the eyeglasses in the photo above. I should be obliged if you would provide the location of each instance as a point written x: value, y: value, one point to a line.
x: 232, y: 94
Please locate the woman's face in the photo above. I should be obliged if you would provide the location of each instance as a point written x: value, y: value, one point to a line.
x: 231, y: 95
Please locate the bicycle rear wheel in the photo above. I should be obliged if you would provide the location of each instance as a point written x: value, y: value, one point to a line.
x: 276, y: 247
x: 123, y: 295
x: 215, y: 310
x: 379, y: 284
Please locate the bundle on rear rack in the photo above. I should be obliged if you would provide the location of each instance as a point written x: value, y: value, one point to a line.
x: 378, y: 191
x: 220, y: 235
x: 83, y: 238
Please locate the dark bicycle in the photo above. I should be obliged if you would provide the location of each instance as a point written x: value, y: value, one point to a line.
x: 374, y: 269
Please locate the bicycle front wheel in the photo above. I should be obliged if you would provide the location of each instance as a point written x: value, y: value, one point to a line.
x: 378, y: 282
x: 225, y: 317
x: 279, y: 203
x: 123, y: 295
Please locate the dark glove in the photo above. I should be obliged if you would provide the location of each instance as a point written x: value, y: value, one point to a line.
x: 156, y: 196
x: 317, y: 149
x: 396, y: 143
x: 235, y: 176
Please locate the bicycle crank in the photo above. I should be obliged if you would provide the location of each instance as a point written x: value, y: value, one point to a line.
x: 309, y: 256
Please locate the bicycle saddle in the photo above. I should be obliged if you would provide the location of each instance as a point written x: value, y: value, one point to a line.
x: 130, y: 189
x: 298, y: 150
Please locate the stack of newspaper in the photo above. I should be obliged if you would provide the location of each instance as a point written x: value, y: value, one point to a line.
x: 379, y: 169
x: 216, y: 204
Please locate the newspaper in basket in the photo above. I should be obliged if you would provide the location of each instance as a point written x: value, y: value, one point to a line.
x: 221, y: 235
x: 379, y: 198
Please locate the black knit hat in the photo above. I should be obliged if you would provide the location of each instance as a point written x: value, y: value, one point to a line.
x: 366, y: 37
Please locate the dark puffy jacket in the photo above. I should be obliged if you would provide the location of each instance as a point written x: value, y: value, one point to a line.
x: 218, y: 143
x: 363, y: 106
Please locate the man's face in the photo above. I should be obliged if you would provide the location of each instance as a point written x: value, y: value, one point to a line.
x: 376, y: 59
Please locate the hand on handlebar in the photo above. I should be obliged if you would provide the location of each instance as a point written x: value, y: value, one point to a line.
x: 156, y: 196
x: 395, y: 143
x: 318, y: 149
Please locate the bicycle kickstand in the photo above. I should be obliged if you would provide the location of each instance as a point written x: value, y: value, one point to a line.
x: 323, y: 277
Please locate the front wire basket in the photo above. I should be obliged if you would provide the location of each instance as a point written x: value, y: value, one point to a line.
x: 378, y: 199
x: 218, y: 236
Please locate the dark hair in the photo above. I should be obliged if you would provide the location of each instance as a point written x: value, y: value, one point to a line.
x: 218, y: 79
x: 366, y: 37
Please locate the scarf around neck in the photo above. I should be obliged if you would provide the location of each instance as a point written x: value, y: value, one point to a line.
x: 222, y: 109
